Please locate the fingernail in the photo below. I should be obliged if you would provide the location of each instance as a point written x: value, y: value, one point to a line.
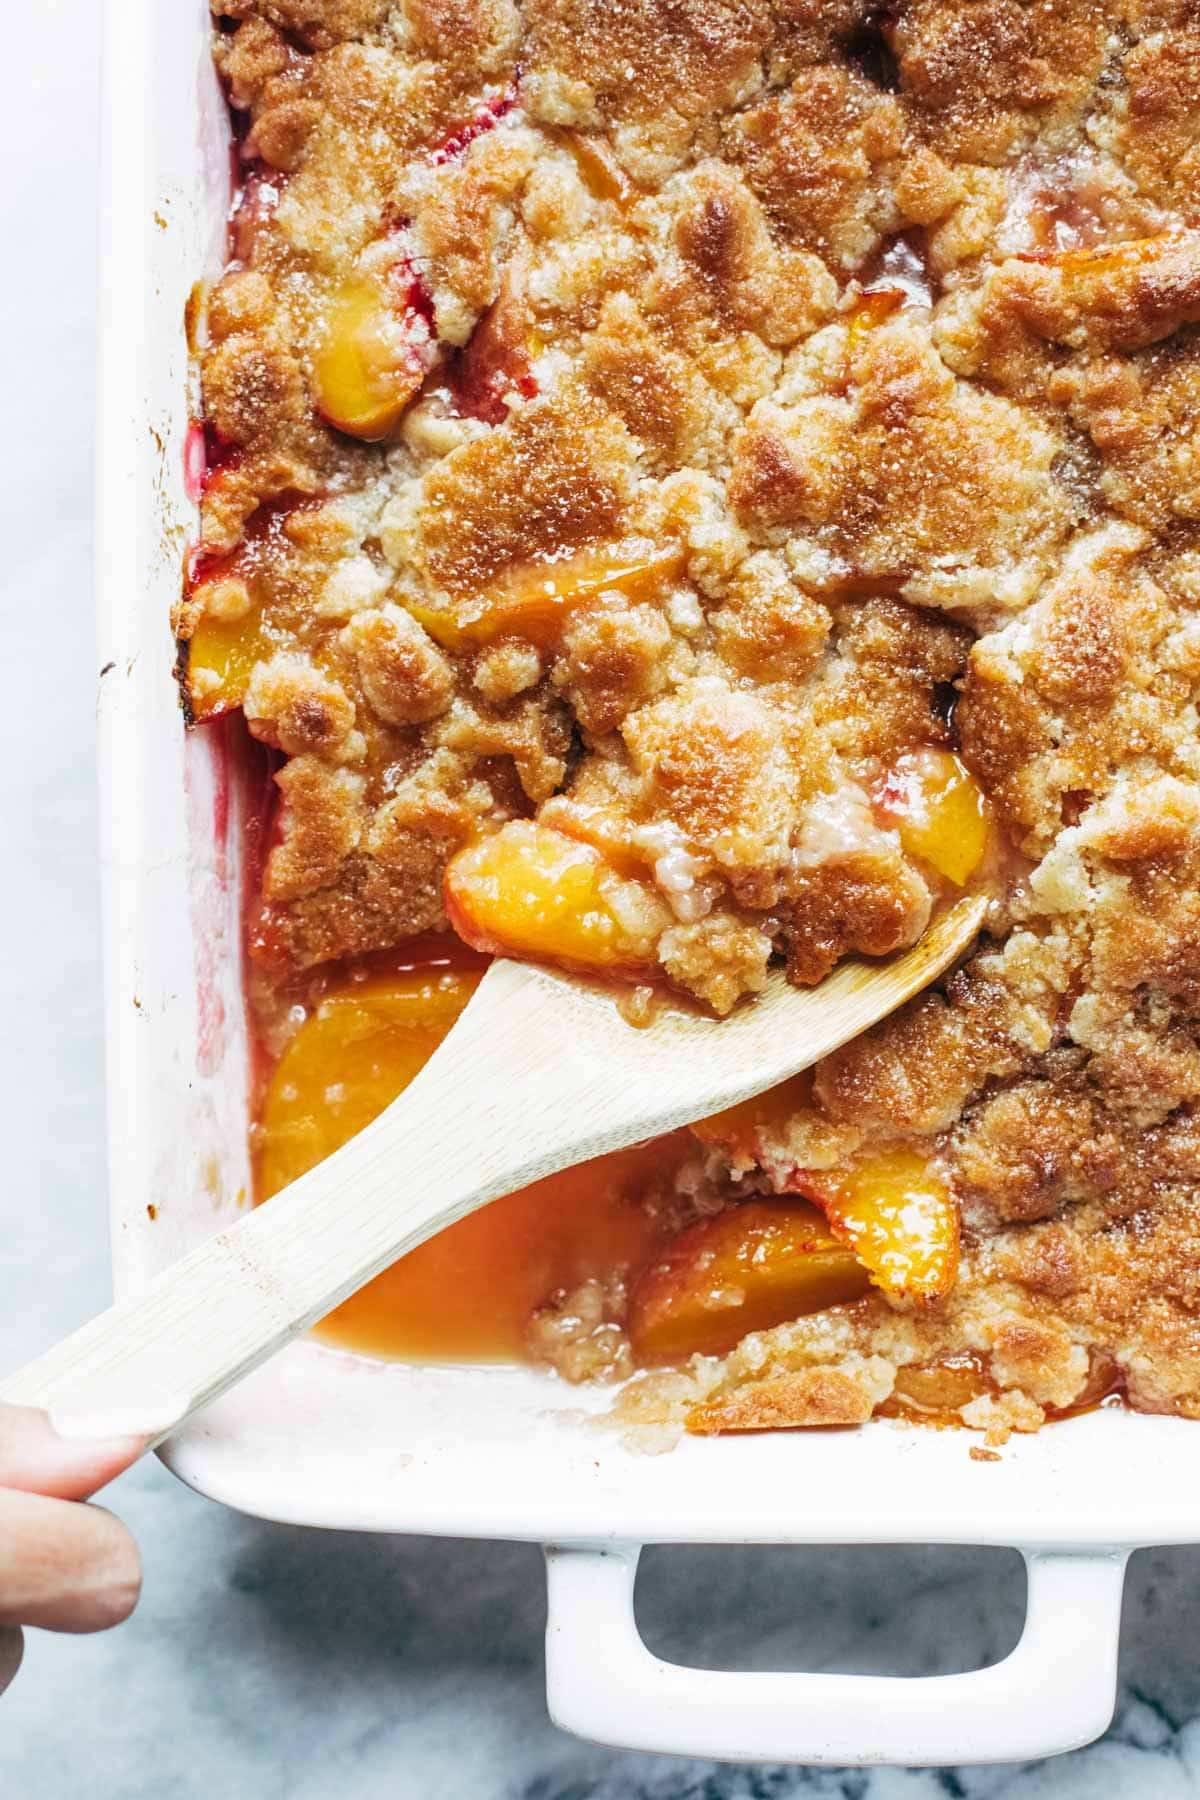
x: 147, y: 1424
x: 100, y: 1436
x: 120, y: 1589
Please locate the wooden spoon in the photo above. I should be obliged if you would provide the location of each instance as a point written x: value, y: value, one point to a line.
x: 540, y: 1072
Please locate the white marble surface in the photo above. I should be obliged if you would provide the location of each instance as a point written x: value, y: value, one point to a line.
x: 287, y: 1665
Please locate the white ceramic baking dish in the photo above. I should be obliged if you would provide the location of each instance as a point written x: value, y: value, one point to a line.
x: 323, y: 1439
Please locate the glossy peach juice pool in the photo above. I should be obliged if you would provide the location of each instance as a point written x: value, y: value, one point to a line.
x: 468, y: 1294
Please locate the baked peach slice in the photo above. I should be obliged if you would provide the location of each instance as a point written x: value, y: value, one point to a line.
x: 497, y: 359
x: 748, y: 1269
x: 745, y: 1128
x: 375, y: 350
x: 871, y: 310
x: 528, y: 891
x: 936, y: 1391
x: 940, y: 811
x: 229, y: 620
x: 898, y: 1217
x: 534, y: 600
x: 356, y: 1051
x: 222, y: 650
x: 599, y: 170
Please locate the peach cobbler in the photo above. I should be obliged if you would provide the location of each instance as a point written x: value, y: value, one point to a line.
x: 688, y: 486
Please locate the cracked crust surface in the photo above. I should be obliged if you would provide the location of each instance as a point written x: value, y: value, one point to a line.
x: 876, y: 343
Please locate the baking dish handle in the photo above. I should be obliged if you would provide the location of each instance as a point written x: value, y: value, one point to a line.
x: 1055, y: 1691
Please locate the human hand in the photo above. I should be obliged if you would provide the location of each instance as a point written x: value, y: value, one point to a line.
x: 65, y: 1566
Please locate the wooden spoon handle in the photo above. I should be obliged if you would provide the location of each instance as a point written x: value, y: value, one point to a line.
x: 148, y: 1362
x: 513, y: 1094
x: 151, y: 1360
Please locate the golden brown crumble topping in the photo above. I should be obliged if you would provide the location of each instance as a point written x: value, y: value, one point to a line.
x: 742, y: 457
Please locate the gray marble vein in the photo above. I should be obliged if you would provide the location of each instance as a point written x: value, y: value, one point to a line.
x: 280, y: 1664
